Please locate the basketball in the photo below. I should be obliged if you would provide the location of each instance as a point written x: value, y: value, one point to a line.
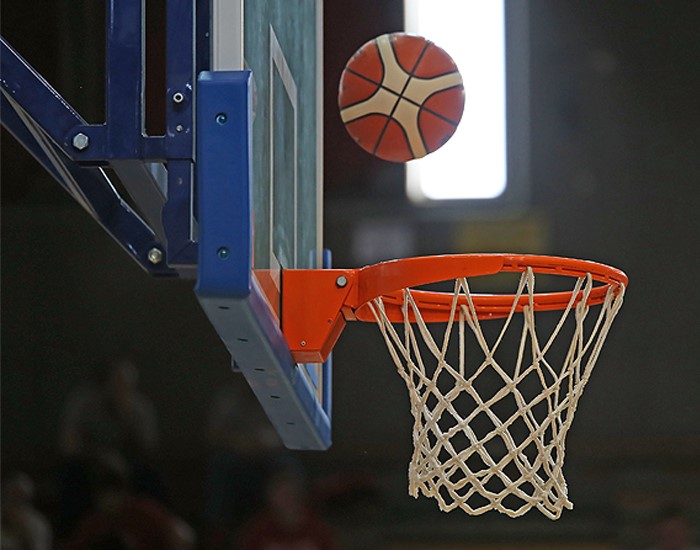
x: 400, y: 97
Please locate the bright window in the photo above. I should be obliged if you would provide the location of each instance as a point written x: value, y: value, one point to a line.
x: 472, y: 165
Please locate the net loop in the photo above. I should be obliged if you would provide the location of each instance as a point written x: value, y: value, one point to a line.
x: 488, y: 436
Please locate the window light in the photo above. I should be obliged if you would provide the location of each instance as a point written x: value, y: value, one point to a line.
x: 472, y: 165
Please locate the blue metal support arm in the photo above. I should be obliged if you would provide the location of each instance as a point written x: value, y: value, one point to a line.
x: 36, y: 96
x: 45, y: 123
x: 89, y: 186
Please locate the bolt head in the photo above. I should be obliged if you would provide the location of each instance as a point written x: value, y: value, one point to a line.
x: 155, y: 256
x: 80, y: 141
x: 179, y: 128
x: 341, y: 281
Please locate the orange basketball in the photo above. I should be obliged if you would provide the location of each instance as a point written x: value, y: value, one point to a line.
x: 401, y: 97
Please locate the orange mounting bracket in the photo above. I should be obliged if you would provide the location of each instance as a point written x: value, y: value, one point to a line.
x: 312, y: 319
x: 316, y: 303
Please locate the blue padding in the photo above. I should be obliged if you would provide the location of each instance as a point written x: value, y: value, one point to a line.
x: 225, y: 287
x: 224, y: 197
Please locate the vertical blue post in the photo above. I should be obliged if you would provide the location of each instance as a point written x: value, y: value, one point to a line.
x: 180, y: 74
x: 178, y: 211
x: 125, y: 78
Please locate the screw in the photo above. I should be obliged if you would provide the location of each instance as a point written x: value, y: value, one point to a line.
x: 179, y: 128
x: 155, y: 256
x: 303, y: 343
x: 221, y: 118
x: 222, y: 253
x: 80, y: 141
x: 341, y: 281
x: 178, y: 97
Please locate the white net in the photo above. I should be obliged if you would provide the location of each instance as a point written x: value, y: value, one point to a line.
x: 488, y: 436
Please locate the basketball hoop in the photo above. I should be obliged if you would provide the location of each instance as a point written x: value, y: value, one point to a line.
x: 487, y: 436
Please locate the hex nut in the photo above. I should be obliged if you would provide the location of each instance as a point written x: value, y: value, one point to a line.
x: 80, y: 141
x: 155, y: 256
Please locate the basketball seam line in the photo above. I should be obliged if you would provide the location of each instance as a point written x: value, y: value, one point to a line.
x: 382, y: 87
x: 353, y: 71
x: 422, y: 109
x: 405, y: 86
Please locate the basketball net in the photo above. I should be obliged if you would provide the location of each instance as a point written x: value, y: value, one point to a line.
x: 502, y: 447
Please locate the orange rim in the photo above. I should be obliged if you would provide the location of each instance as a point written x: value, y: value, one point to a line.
x: 312, y: 326
x: 389, y: 279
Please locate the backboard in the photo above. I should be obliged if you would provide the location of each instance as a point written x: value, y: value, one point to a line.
x: 280, y: 43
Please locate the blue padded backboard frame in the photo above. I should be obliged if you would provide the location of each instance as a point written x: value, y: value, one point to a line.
x: 226, y: 288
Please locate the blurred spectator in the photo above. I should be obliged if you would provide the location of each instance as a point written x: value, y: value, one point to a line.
x: 287, y: 521
x: 108, y: 415
x: 121, y: 519
x: 242, y: 445
x: 111, y: 415
x: 23, y: 526
x: 671, y: 530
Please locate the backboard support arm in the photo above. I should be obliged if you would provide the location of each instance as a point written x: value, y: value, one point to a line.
x: 157, y: 171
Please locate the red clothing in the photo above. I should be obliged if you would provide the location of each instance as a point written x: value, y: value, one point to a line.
x: 142, y: 523
x: 267, y: 533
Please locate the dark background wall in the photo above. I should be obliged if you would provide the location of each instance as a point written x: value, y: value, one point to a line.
x: 614, y: 103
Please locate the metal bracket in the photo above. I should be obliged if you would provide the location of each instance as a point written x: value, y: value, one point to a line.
x: 156, y: 171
